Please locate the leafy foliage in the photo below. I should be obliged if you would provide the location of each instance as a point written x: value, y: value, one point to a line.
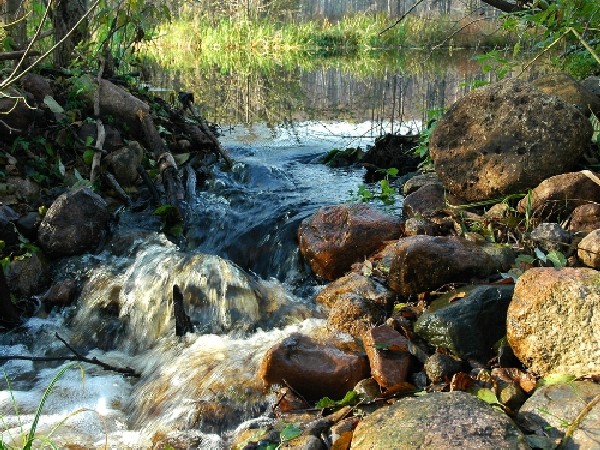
x: 351, y: 398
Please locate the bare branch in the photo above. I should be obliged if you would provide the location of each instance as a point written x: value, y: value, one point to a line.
x: 402, y: 17
x: 11, y: 56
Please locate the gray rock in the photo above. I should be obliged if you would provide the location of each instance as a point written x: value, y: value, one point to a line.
x: 550, y: 236
x: 124, y: 163
x: 468, y: 326
x: 420, y: 225
x: 552, y: 407
x: 418, y: 181
x: 505, y: 138
x: 425, y: 201
x: 74, y: 224
x: 28, y: 276
x: 438, y: 420
x: 440, y: 367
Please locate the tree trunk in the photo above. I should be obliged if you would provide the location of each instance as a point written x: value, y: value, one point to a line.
x: 65, y: 15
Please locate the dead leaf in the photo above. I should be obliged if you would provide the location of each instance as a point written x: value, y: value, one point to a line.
x: 457, y: 296
x: 461, y: 382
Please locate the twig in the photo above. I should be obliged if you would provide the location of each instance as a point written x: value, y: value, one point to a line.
x: 101, y: 134
x: 149, y: 184
x: 204, y: 127
x: 110, y: 178
x: 418, y: 2
x: 124, y: 370
x: 575, y: 424
x: 128, y: 371
x: 435, y: 47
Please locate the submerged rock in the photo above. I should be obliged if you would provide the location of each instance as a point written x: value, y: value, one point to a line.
x: 505, y: 138
x: 336, y: 237
x: 314, y: 370
x: 553, y: 321
x: 468, y: 326
x: 438, y: 420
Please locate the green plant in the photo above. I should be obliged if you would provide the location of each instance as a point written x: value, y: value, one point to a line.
x: 386, y: 193
x: 29, y: 437
x: 422, y: 150
x: 351, y: 398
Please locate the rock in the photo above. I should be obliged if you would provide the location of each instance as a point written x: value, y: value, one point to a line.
x: 303, y: 442
x: 26, y: 190
x: 388, y: 356
x: 343, y: 158
x: 368, y: 390
x: 124, y: 163
x: 337, y: 236
x: 422, y: 263
x: 440, y: 367
x: 28, y: 225
x: 113, y: 140
x: 565, y: 87
x: 559, y: 195
x: 28, y: 276
x: 438, y: 420
x: 499, y: 211
x: 313, y: 370
x: 552, y: 407
x: 550, y: 236
x: 592, y: 85
x: 553, y: 324
x: 341, y: 433
x: 354, y: 314
x: 416, y: 226
x: 74, y: 224
x: 391, y: 151
x: 418, y: 181
x: 17, y: 117
x: 505, y: 138
x: 585, y: 218
x: 425, y: 202
x: 37, y: 86
x: 468, y: 326
x: 184, y: 440
x: 588, y: 249
x: 358, y: 284
x: 8, y: 232
x: 61, y: 294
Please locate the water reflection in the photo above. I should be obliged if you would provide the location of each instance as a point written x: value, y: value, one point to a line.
x: 392, y: 87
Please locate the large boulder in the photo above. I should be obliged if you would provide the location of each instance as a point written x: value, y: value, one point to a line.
x: 313, y: 370
x: 438, y: 420
x: 391, y: 151
x: 553, y: 324
x: 422, y: 263
x: 564, y: 86
x: 505, y: 138
x: 557, y: 196
x: 467, y: 322
x: 337, y: 236
x: 74, y: 224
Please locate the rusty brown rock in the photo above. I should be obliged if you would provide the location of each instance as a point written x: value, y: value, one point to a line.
x: 388, y: 356
x: 358, y: 284
x: 354, y: 314
x: 422, y: 263
x: 564, y: 86
x: 337, y: 236
x: 553, y: 320
x: 506, y: 138
x: 585, y: 218
x: 425, y: 201
x: 314, y: 370
x: 559, y: 195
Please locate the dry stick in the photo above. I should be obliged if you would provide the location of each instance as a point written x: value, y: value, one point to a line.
x: 435, y: 47
x: 575, y: 424
x: 128, y: 371
x: 100, y: 127
x: 110, y: 178
x: 228, y: 159
x: 401, y: 18
x: 149, y: 184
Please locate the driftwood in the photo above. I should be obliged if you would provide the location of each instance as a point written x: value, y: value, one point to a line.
x: 183, y: 324
x: 128, y: 371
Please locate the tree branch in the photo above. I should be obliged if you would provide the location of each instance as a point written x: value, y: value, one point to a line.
x: 505, y: 6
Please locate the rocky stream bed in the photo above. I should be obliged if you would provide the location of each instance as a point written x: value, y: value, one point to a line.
x: 469, y: 319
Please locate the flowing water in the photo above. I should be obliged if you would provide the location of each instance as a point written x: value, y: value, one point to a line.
x: 244, y: 285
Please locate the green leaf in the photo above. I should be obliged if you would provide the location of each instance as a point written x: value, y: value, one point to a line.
x: 289, y: 432
x: 540, y: 254
x: 325, y: 402
x: 53, y: 105
x: 557, y: 258
x: 487, y: 396
x: 61, y: 167
x: 164, y: 210
x: 555, y: 378
x: 88, y: 156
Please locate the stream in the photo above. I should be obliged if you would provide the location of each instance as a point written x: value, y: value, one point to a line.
x: 245, y: 289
